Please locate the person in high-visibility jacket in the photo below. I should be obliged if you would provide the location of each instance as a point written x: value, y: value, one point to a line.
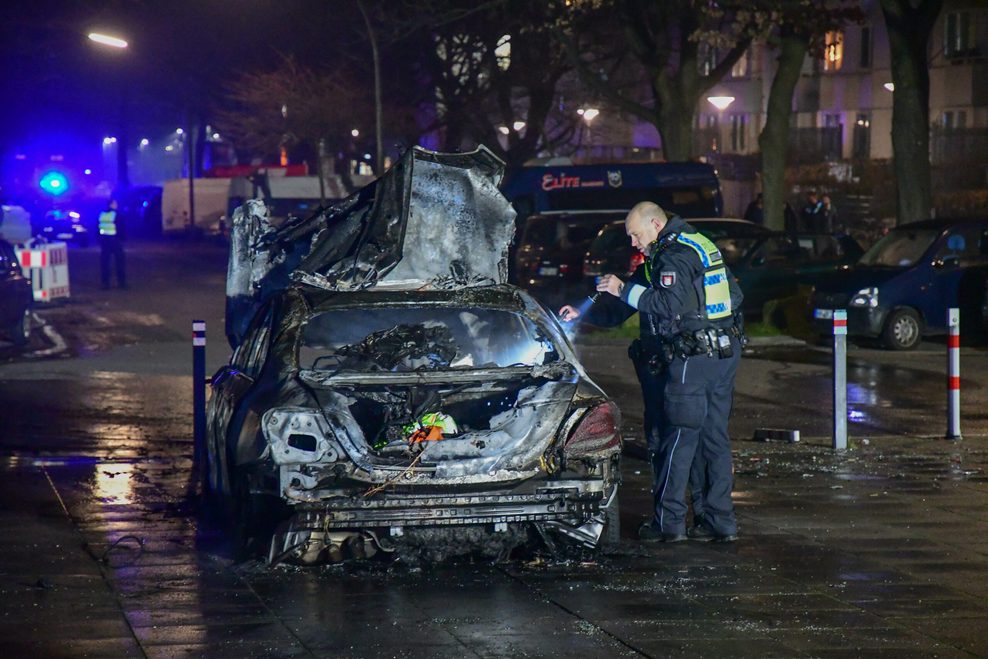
x: 693, y: 301
x: 111, y: 246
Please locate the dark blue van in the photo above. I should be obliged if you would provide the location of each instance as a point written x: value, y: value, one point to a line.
x: 902, y: 287
x: 689, y: 189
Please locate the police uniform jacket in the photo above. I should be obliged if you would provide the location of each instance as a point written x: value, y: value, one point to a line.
x: 672, y: 300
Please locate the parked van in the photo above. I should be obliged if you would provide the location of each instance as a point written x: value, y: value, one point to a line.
x: 688, y: 189
x: 902, y: 287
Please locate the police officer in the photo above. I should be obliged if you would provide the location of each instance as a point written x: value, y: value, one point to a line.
x: 647, y: 355
x: 111, y: 246
x: 693, y: 297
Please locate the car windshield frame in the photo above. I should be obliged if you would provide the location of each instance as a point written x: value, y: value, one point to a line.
x: 894, y: 240
x: 539, y: 347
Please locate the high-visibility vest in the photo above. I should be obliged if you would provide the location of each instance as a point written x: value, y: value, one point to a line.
x: 716, y: 288
x: 108, y: 223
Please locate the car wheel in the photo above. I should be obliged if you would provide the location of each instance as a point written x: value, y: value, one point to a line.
x: 20, y: 331
x: 903, y: 330
x: 612, y: 523
x: 254, y: 518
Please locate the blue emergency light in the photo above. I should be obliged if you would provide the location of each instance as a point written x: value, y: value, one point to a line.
x: 54, y: 183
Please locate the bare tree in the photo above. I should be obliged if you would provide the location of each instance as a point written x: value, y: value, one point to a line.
x: 794, y: 28
x: 292, y: 106
x: 494, y: 68
x: 664, y: 39
x: 909, y: 23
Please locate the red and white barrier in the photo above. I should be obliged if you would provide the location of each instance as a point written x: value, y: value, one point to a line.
x: 47, y: 266
x: 954, y: 374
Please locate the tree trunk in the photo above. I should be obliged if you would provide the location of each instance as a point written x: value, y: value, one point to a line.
x: 909, y: 32
x: 675, y: 123
x: 773, y: 141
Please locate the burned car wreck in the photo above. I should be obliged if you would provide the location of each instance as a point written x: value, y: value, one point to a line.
x: 390, y: 394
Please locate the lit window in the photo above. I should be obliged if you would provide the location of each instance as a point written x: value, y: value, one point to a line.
x: 833, y: 54
x: 738, y: 132
x: 957, y: 34
x: 708, y: 59
x: 503, y: 52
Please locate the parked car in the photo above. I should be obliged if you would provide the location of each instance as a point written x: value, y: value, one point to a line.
x: 768, y: 265
x: 382, y: 399
x: 15, y: 297
x: 64, y: 225
x: 549, y: 261
x: 902, y: 287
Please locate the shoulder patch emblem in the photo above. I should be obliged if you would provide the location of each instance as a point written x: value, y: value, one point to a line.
x: 667, y: 278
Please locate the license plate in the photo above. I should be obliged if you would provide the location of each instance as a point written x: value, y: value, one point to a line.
x: 548, y: 272
x: 823, y: 314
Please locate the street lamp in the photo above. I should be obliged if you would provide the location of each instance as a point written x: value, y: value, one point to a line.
x: 720, y: 102
x: 107, y: 40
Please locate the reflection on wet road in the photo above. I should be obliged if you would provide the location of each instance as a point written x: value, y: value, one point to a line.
x: 879, y: 550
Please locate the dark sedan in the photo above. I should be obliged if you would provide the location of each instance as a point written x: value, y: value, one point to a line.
x: 15, y: 297
x: 768, y: 265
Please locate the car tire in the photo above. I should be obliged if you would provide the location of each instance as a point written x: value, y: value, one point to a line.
x: 20, y: 331
x: 611, y: 536
x: 903, y: 330
x: 254, y: 518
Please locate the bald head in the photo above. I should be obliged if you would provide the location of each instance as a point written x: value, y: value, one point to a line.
x: 644, y: 223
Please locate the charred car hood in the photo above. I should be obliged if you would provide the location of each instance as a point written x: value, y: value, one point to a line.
x: 433, y: 220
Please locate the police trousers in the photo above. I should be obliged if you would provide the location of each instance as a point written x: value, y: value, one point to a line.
x: 698, y: 394
x: 653, y: 398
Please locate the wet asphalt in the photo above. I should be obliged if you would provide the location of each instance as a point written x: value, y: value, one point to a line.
x: 881, y: 551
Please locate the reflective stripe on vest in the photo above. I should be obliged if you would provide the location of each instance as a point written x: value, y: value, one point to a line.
x: 716, y: 288
x: 108, y: 223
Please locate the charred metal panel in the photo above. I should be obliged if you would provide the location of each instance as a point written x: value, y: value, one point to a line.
x: 433, y: 219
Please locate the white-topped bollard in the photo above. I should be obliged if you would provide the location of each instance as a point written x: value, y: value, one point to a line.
x: 954, y: 374
x: 840, y: 380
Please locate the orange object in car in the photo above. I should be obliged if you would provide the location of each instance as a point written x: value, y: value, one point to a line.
x: 426, y: 434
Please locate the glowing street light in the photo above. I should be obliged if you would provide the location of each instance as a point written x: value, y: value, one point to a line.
x: 355, y: 133
x: 890, y: 86
x: 503, y: 130
x: 518, y: 126
x: 179, y: 131
x: 107, y: 141
x: 107, y: 40
x: 720, y: 102
x: 588, y: 114
x: 145, y: 141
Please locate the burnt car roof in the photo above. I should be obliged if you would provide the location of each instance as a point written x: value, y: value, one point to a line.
x: 433, y: 220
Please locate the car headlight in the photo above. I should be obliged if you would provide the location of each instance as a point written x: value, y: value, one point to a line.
x: 866, y: 297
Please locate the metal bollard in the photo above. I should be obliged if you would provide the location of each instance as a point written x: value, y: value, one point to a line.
x: 840, y: 379
x: 954, y: 374
x: 198, y: 392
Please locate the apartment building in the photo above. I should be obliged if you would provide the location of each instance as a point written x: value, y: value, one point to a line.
x: 843, y: 101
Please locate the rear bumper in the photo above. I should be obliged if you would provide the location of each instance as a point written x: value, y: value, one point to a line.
x: 573, y: 503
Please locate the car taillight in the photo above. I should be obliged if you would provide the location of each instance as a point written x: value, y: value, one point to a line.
x: 596, y: 431
x: 563, y: 269
x: 636, y: 260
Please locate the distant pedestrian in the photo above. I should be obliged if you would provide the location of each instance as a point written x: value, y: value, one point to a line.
x: 756, y: 210
x: 111, y: 245
x: 810, y: 215
x: 828, y: 215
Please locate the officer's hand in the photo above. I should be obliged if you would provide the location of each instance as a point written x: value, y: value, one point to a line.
x: 610, y: 284
x: 568, y: 313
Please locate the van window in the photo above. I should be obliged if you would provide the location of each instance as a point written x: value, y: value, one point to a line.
x: 901, y: 248
x: 964, y: 243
